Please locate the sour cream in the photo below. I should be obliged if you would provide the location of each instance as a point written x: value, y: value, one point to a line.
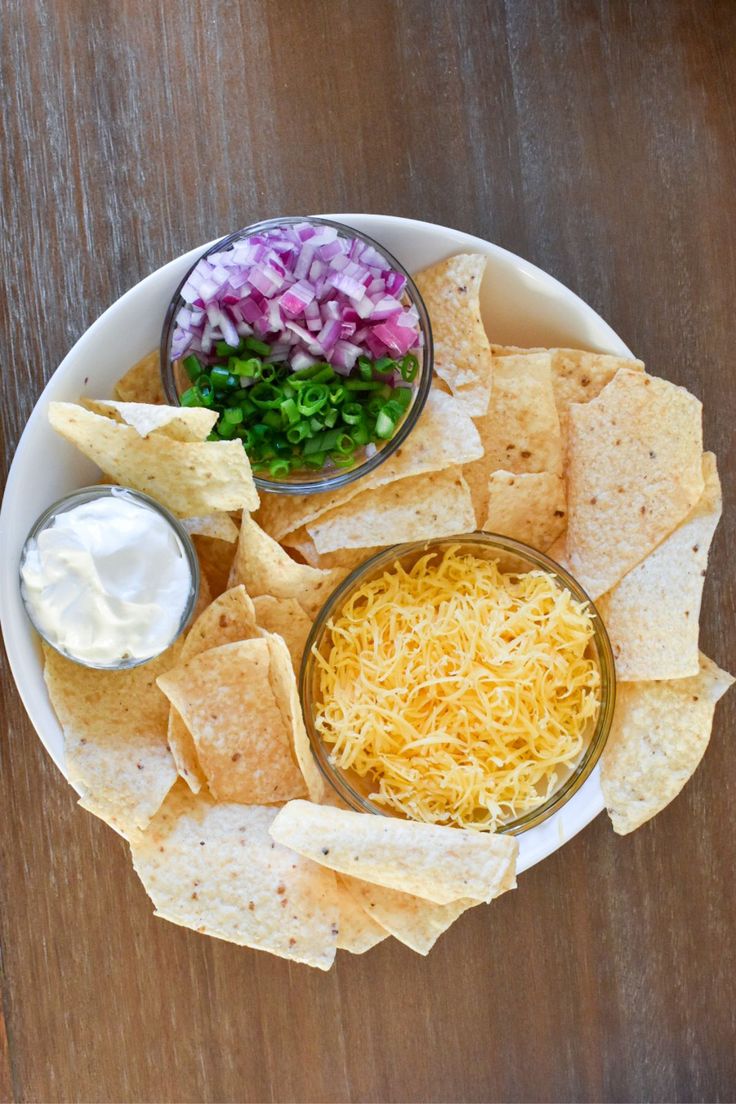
x: 107, y: 581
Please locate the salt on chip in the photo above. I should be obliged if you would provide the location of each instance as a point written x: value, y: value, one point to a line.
x: 577, y: 375
x: 217, y: 526
x: 652, y: 615
x: 409, y: 510
x: 142, y: 383
x: 521, y: 430
x: 214, y: 868
x: 443, y: 437
x: 634, y: 472
x: 215, y: 561
x: 181, y: 423
x: 428, y: 860
x: 462, y: 355
x: 529, y: 507
x: 225, y: 698
x: 229, y: 618
x: 114, y: 725
x: 284, y: 687
x: 359, y: 932
x: 190, y: 478
x: 416, y: 923
x: 287, y: 618
x: 659, y: 734
x: 264, y: 567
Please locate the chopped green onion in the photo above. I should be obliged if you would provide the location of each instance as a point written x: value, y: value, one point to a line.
x: 297, y: 433
x: 352, y: 413
x: 331, y: 417
x: 313, y: 398
x: 223, y: 349
x: 384, y: 365
x: 385, y: 425
x: 256, y: 346
x: 315, y: 460
x: 363, y: 385
x: 343, y: 459
x: 233, y: 415
x: 365, y: 371
x: 280, y: 466
x: 290, y: 411
x: 250, y: 369
x: 192, y: 367
x: 409, y: 367
x: 265, y: 395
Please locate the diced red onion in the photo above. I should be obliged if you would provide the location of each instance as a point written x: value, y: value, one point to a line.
x: 310, y: 293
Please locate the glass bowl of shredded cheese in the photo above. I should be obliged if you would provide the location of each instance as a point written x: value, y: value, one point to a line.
x: 466, y: 681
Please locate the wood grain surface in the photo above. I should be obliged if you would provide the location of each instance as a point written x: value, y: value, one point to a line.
x: 599, y: 141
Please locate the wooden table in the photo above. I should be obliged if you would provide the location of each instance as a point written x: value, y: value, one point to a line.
x: 596, y: 139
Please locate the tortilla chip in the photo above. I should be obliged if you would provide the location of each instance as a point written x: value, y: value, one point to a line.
x: 142, y: 383
x: 577, y: 375
x: 443, y: 437
x: 265, y: 568
x: 215, y: 561
x: 558, y: 551
x: 284, y: 687
x: 652, y: 614
x: 180, y: 423
x: 635, y: 471
x: 215, y: 869
x: 190, y: 478
x: 348, y: 559
x: 659, y: 734
x: 285, y: 617
x: 229, y: 618
x: 530, y: 507
x: 462, y: 355
x: 430, y: 861
x: 358, y: 931
x: 416, y: 923
x: 225, y: 699
x: 412, y: 509
x: 521, y: 431
x: 114, y: 726
x: 217, y: 526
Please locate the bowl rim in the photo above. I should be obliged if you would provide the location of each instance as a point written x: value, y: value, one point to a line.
x: 604, y: 657
x: 108, y: 490
x: 339, y: 477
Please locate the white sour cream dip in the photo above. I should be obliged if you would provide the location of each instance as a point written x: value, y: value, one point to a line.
x: 107, y: 580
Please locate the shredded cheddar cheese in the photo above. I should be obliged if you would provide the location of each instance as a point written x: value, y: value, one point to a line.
x: 463, y: 694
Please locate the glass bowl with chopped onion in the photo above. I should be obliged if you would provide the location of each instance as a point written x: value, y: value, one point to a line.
x: 465, y: 681
x: 313, y: 344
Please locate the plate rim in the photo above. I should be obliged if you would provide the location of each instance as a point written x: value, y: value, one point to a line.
x: 560, y: 828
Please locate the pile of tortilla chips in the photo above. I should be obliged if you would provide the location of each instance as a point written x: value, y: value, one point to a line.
x: 200, y: 757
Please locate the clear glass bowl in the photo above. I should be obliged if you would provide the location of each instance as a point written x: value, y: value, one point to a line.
x: 89, y: 494
x: 175, y: 380
x: 511, y: 556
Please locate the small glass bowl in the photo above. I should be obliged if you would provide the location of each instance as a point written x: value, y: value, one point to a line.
x: 512, y: 556
x: 175, y: 380
x: 89, y: 494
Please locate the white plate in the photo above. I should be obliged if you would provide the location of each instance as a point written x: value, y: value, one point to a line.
x: 521, y: 306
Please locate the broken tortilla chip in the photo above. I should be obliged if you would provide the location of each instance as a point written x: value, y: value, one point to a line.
x: 142, y: 383
x: 217, y: 526
x: 430, y: 861
x: 285, y: 617
x: 443, y: 437
x: 264, y: 567
x: 635, y: 471
x: 215, y: 561
x: 358, y: 931
x: 409, y: 510
x: 652, y: 615
x: 215, y: 869
x: 347, y: 558
x: 462, y: 355
x: 521, y: 430
x: 414, y: 922
x: 114, y: 725
x: 284, y: 686
x: 180, y: 423
x: 229, y: 618
x: 190, y: 478
x: 529, y: 507
x: 224, y: 697
x: 577, y: 375
x: 659, y: 734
